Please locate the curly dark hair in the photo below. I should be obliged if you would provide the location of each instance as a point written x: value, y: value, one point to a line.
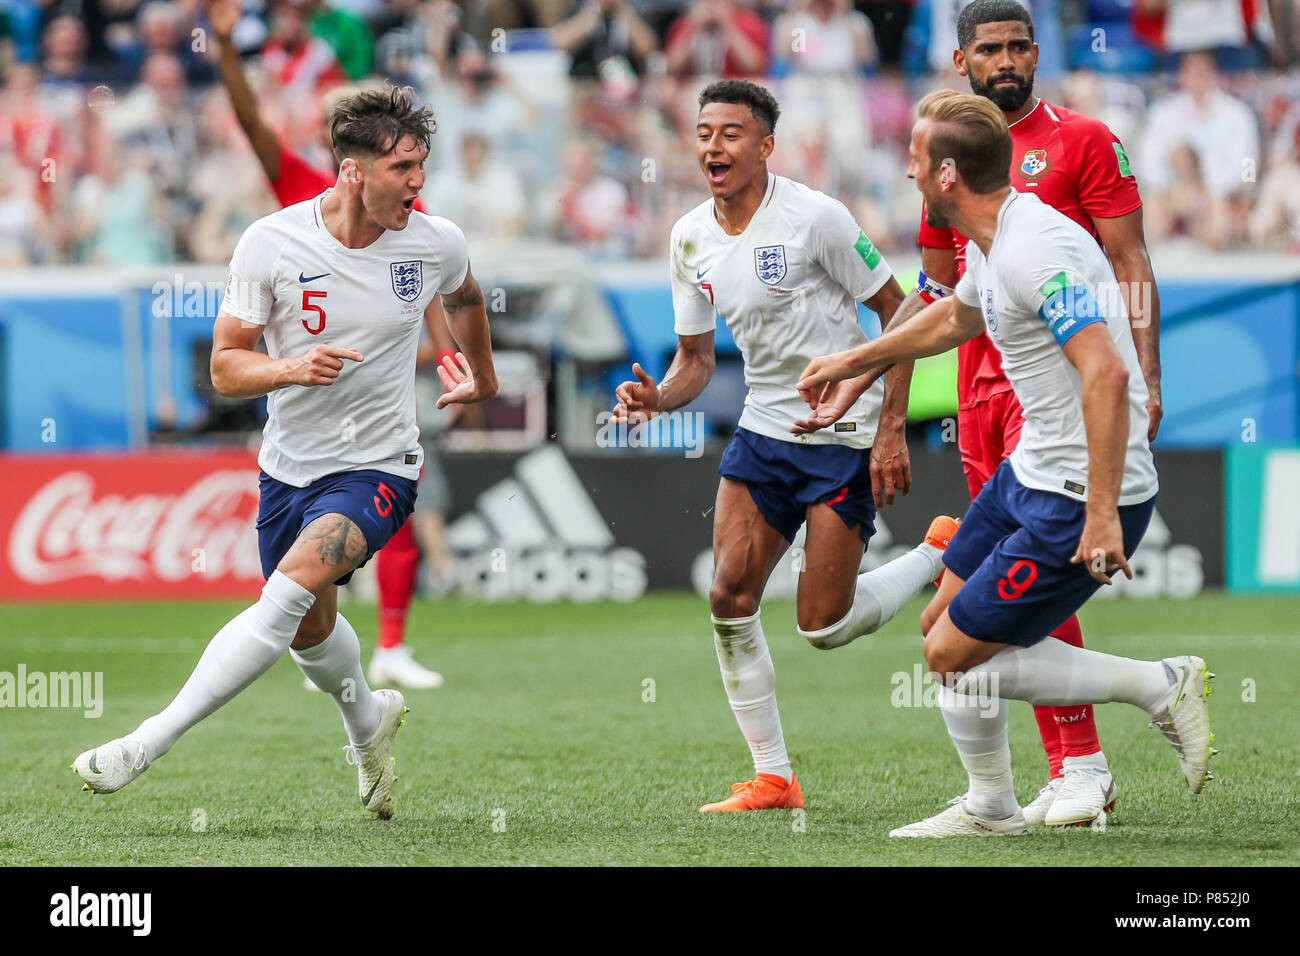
x: 761, y: 103
x: 989, y: 11
x: 372, y: 123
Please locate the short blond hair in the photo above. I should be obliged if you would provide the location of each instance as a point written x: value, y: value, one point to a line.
x: 972, y: 132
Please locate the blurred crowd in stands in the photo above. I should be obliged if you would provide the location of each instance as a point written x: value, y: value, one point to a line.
x: 573, y: 120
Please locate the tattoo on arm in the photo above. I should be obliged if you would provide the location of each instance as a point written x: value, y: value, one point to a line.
x: 467, y: 296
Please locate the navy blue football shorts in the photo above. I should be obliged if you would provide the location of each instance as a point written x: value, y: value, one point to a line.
x: 785, y: 477
x: 1013, y: 549
x: 377, y: 502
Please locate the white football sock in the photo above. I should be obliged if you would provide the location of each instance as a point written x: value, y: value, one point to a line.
x: 241, y: 652
x: 1055, y: 674
x: 334, y: 665
x: 978, y: 728
x: 879, y: 595
x: 1095, y: 761
x: 750, y: 680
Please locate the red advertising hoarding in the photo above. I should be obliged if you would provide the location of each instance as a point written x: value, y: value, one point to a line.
x: 151, y: 525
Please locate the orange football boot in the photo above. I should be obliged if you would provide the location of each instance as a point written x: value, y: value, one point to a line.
x: 940, y: 535
x: 767, y: 791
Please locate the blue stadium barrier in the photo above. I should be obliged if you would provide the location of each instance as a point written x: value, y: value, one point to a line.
x: 99, y: 365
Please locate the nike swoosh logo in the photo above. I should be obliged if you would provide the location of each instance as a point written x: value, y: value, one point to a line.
x: 1184, y: 676
x: 700, y: 275
x: 365, y: 801
x: 303, y: 278
x: 93, y: 763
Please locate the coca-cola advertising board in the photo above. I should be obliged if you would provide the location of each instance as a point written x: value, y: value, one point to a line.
x: 151, y: 525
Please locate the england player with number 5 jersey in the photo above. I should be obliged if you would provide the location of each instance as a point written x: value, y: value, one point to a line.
x: 784, y: 266
x: 337, y: 286
x: 1072, y: 502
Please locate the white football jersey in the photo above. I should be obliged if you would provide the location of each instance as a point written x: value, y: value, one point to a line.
x: 788, y: 288
x: 290, y: 274
x: 1045, y: 279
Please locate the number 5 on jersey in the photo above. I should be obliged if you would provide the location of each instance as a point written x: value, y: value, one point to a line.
x: 307, y: 296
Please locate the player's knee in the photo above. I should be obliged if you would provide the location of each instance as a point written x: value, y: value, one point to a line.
x: 928, y: 618
x: 939, y: 659
x: 729, y: 602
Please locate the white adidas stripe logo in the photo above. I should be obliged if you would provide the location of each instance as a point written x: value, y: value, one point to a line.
x: 543, y: 504
x: 538, y: 535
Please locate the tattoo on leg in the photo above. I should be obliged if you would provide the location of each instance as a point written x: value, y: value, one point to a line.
x: 338, y: 541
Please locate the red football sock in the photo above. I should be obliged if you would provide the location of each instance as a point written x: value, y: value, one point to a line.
x: 396, y: 567
x: 1050, y: 725
x: 1046, y: 717
x: 1075, y: 724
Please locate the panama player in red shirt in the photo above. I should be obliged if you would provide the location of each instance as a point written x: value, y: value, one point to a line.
x: 294, y: 180
x: 1077, y: 165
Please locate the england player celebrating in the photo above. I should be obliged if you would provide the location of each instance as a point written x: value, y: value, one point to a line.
x: 338, y: 286
x: 1076, y: 165
x: 1074, y: 498
x: 784, y: 266
x: 294, y: 180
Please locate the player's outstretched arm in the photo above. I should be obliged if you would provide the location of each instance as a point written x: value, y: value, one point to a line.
x: 938, y: 327
x: 240, y: 371
x: 471, y: 377
x: 223, y: 15
x: 691, y: 369
x: 1126, y: 245
x: 1103, y: 380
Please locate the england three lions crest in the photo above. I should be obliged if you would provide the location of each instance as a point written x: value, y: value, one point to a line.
x: 408, y: 279
x: 769, y: 263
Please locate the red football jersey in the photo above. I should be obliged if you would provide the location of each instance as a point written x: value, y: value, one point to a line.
x: 1073, y: 163
x: 299, y: 182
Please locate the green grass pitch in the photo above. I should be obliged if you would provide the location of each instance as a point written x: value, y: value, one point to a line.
x: 543, y: 749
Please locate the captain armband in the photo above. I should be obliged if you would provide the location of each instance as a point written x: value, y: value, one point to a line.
x: 930, y: 290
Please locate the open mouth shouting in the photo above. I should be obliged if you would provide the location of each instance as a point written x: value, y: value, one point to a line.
x: 717, y: 172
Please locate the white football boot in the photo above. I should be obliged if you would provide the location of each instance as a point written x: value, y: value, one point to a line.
x: 111, y: 766
x: 1036, y: 810
x: 1087, y: 792
x: 1185, y: 721
x: 395, y: 665
x: 958, y: 821
x: 376, y: 769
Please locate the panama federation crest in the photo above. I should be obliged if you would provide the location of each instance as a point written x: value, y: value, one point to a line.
x: 1035, y: 163
x: 769, y: 264
x: 408, y: 279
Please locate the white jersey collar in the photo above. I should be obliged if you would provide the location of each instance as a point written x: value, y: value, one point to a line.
x: 331, y: 240
x: 762, y: 207
x: 1002, y: 214
x: 1040, y: 105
